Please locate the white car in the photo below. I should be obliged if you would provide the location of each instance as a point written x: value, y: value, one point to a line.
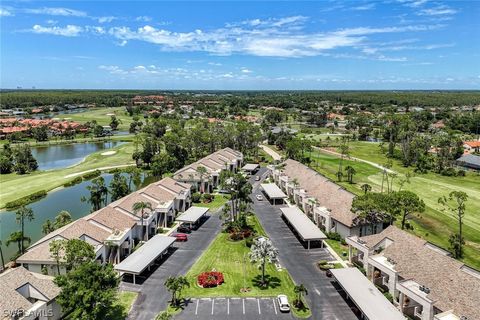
x: 257, y: 178
x: 283, y: 304
x: 259, y: 197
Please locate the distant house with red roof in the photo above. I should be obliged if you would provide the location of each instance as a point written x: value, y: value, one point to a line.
x: 471, y: 147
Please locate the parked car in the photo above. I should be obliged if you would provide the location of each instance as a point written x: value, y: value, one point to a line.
x: 283, y: 304
x: 259, y: 197
x: 257, y: 178
x: 184, y: 228
x: 181, y: 237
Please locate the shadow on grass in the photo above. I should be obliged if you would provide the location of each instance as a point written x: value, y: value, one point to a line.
x: 116, y: 312
x: 270, y: 282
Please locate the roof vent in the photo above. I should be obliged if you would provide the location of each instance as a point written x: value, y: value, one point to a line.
x: 424, y: 289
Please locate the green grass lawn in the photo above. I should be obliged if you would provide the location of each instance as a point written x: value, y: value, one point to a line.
x: 123, y: 304
x: 218, y: 202
x: 102, y: 116
x: 338, y: 248
x: 231, y: 258
x: 51, y: 179
x: 434, y: 224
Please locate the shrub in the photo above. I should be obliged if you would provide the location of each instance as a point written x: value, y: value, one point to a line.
x: 210, y: 279
x: 91, y: 175
x: 249, y: 242
x: 326, y: 266
x: 343, y: 242
x: 73, y: 182
x: 322, y: 262
x: 26, y: 200
x: 207, y: 197
x: 334, y: 236
x: 196, y: 197
x: 461, y: 173
x: 388, y: 296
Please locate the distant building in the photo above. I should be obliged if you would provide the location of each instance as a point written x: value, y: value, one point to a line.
x: 469, y: 161
x: 471, y: 146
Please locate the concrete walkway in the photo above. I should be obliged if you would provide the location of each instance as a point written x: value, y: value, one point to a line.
x: 275, y: 155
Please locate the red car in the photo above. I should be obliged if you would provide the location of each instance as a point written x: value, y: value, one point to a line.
x: 181, y: 237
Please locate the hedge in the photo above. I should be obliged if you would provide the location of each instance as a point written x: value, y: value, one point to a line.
x: 91, y: 175
x: 26, y: 200
x: 73, y: 182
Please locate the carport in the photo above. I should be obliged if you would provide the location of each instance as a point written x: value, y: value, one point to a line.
x: 144, y: 256
x: 251, y: 168
x: 305, y: 228
x: 363, y: 293
x: 273, y: 192
x: 192, y: 215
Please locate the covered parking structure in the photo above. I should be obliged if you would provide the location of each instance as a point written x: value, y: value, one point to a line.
x: 145, y: 256
x: 192, y: 215
x: 274, y: 193
x: 304, y: 227
x: 251, y: 168
x: 363, y: 293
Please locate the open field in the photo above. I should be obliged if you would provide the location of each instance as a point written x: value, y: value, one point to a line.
x: 102, y: 116
x: 434, y: 224
x: 14, y: 186
x: 231, y: 258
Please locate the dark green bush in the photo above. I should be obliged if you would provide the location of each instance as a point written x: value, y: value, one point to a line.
x: 334, y: 236
x: 196, y: 197
x: 26, y: 200
x: 73, y: 182
x: 91, y: 175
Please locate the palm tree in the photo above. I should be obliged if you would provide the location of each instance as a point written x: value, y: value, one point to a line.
x: 62, y: 219
x: 175, y: 285
x: 21, y: 215
x: 141, y: 206
x: 1, y: 256
x: 339, y: 175
x: 47, y: 227
x: 350, y: 173
x: 202, y: 172
x: 366, y: 188
x: 16, y: 236
x: 263, y: 251
x: 300, y: 290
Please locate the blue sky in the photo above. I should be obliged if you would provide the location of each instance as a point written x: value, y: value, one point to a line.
x: 390, y: 44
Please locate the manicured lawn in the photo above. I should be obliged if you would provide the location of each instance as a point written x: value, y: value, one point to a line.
x: 102, y: 116
x: 51, y: 179
x: 217, y: 202
x: 123, y: 304
x: 338, y: 248
x: 434, y: 224
x: 231, y: 258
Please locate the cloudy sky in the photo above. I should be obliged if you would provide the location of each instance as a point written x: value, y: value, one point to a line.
x: 389, y: 44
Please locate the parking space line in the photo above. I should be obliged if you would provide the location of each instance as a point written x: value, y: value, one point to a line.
x: 243, y: 300
x: 213, y: 304
x: 259, y: 311
x: 274, y: 305
x: 228, y: 306
x: 196, y: 308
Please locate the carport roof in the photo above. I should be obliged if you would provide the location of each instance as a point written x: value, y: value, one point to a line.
x: 250, y: 166
x: 368, y: 298
x: 141, y: 258
x: 192, y: 214
x: 273, y: 191
x: 302, y: 224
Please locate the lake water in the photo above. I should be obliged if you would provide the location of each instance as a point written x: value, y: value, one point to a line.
x: 65, y: 155
x: 47, y: 208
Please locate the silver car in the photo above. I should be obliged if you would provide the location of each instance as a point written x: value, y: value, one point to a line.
x: 283, y: 304
x: 259, y: 197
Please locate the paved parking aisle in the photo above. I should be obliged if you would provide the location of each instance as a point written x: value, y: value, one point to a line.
x: 233, y: 308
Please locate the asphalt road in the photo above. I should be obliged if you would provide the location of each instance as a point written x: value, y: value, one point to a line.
x: 153, y: 297
x: 323, y: 298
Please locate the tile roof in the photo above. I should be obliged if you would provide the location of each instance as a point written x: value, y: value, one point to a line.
x: 112, y: 218
x: 451, y: 287
x: 12, y: 279
x: 328, y: 194
x: 472, y: 144
x: 127, y: 202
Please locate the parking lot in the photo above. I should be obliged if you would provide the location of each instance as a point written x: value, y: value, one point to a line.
x: 233, y: 308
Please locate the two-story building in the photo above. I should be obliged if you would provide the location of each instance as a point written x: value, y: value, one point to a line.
x: 324, y: 201
x: 209, y: 178
x: 424, y: 281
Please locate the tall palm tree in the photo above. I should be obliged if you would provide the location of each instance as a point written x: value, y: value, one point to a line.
x: 21, y: 215
x: 141, y: 206
x: 350, y: 173
x: 202, y: 172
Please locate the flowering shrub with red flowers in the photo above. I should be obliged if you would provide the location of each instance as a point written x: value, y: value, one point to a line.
x: 210, y: 279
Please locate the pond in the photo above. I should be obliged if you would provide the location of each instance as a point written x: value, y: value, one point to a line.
x: 47, y: 208
x: 65, y: 155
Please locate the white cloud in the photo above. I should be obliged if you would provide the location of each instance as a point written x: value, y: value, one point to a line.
x: 143, y: 18
x: 245, y: 70
x: 5, y: 12
x: 106, y: 19
x: 68, y: 31
x: 364, y: 7
x: 437, y: 11
x: 57, y: 12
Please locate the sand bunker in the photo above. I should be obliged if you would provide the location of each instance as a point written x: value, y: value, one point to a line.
x: 108, y: 153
